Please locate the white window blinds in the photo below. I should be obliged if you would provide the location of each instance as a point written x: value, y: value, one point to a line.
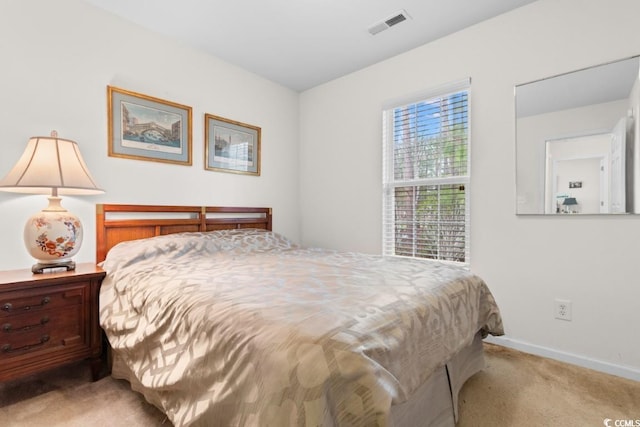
x: 426, y: 175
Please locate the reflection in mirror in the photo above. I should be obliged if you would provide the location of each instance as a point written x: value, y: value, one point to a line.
x: 578, y: 142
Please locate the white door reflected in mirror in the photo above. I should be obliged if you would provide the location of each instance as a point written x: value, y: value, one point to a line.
x: 582, y: 170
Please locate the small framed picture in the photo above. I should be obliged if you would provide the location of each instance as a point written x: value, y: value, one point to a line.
x: 231, y: 146
x: 142, y: 127
x: 575, y: 184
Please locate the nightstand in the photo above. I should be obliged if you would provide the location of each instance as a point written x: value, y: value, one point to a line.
x: 49, y: 319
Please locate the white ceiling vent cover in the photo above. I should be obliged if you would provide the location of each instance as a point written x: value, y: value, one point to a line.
x: 389, y: 22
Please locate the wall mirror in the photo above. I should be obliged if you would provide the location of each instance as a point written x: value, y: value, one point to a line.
x: 578, y: 142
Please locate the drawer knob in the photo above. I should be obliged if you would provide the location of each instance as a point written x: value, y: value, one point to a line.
x: 7, y: 307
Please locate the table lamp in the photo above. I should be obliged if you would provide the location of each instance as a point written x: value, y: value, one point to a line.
x: 51, y: 165
x: 569, y: 202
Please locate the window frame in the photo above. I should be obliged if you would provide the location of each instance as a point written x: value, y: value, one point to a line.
x: 389, y: 183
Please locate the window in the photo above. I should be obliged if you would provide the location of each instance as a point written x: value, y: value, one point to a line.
x: 426, y: 175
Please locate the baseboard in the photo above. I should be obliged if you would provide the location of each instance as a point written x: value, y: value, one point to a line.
x: 574, y: 359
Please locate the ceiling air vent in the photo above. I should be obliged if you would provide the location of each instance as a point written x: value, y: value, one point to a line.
x: 395, y: 19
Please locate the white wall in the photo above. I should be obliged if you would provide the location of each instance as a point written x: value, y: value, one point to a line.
x: 58, y: 58
x: 528, y: 261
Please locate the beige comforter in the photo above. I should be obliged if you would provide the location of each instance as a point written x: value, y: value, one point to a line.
x: 244, y: 328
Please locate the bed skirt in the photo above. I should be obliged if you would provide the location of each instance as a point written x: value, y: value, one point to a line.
x: 434, y: 404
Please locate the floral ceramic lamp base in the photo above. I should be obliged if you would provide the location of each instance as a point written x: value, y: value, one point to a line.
x: 52, y: 237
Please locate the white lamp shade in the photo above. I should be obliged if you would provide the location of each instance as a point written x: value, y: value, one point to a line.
x: 50, y: 163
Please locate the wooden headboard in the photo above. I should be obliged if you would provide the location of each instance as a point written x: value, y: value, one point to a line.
x: 119, y: 223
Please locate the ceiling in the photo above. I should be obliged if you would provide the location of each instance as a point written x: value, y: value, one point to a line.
x: 303, y: 43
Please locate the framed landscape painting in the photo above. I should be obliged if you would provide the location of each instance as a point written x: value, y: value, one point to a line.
x: 231, y: 146
x: 146, y: 128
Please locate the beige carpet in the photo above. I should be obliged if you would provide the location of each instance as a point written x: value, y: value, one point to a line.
x: 519, y: 389
x: 515, y: 389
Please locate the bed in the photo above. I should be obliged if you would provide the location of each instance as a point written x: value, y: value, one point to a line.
x: 219, y: 321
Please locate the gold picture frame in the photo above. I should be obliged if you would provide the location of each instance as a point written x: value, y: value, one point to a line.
x: 143, y: 127
x: 231, y: 146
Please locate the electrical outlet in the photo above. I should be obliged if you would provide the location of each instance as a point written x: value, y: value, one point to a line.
x: 563, y: 309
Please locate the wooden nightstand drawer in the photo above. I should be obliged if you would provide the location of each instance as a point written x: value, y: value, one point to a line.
x: 23, y: 323
x: 44, y: 331
x: 17, y: 303
x: 50, y: 319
